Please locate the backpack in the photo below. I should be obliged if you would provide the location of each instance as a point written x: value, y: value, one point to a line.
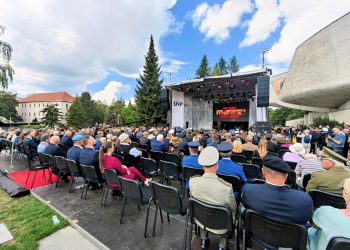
x: 307, y: 139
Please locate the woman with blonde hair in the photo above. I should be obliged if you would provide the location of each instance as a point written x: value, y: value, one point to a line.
x: 330, y: 222
x: 237, y: 147
x: 262, y: 148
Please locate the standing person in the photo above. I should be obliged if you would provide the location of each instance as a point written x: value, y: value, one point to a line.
x: 338, y: 141
x: 305, y: 139
x: 347, y: 141
x: 211, y: 189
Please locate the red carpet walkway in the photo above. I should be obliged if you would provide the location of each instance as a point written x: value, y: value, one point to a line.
x: 20, y: 178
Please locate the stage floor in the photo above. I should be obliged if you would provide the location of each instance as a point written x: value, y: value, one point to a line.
x: 103, y: 222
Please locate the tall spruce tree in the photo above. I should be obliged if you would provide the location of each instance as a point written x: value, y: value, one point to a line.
x: 216, y: 70
x: 147, y: 94
x: 223, y: 66
x: 234, y: 66
x: 52, y: 116
x: 204, y: 69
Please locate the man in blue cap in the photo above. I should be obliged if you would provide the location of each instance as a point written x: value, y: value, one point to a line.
x: 191, y: 161
x: 74, y: 152
x: 276, y: 200
x: 226, y: 165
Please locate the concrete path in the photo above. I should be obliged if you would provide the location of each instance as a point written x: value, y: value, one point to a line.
x: 66, y: 238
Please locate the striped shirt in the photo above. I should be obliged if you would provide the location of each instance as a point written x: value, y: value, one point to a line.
x: 307, y: 167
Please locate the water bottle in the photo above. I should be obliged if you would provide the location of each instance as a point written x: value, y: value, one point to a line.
x: 55, y: 220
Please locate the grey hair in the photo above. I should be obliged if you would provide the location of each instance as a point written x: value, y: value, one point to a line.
x: 226, y: 154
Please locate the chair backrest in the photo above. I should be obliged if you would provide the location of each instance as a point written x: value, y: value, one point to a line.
x: 42, y: 158
x: 131, y: 160
x: 251, y: 171
x: 135, y: 144
x: 306, y: 179
x: 321, y: 198
x: 60, y: 163
x: 292, y: 165
x: 235, y: 182
x: 257, y: 161
x: 169, y: 170
x: 210, y: 216
x: 291, y: 179
x: 169, y: 157
x: 281, y: 152
x: 49, y: 160
x: 145, y: 146
x: 21, y: 148
x: 27, y: 150
x: 144, y: 152
x: 111, y: 176
x: 188, y: 172
x: 121, y: 158
x: 72, y: 166
x: 269, y: 233
x: 248, y: 154
x: 339, y: 243
x: 131, y: 189
x: 27, y: 162
x: 149, y: 166
x: 89, y: 172
x: 157, y: 156
x: 239, y: 158
x: 168, y: 198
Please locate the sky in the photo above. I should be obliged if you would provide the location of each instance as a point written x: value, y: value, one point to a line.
x: 99, y: 46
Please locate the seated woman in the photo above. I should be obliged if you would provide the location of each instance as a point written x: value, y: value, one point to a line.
x: 287, y: 143
x: 295, y: 154
x: 262, y: 149
x: 107, y: 161
x: 330, y: 222
x: 174, y: 144
x: 237, y: 147
x: 309, y: 165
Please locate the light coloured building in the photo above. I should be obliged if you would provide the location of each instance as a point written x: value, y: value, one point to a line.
x: 31, y: 107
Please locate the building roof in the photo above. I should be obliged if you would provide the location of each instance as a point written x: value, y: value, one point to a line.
x: 49, y: 97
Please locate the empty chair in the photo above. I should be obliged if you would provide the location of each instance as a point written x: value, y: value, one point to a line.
x: 90, y: 178
x: 267, y: 233
x: 60, y: 163
x: 248, y: 154
x: 322, y: 198
x: 238, y: 158
x: 133, y: 192
x: 169, y: 171
x: 251, y: 171
x: 75, y: 172
x: 211, y: 217
x: 149, y: 167
x: 169, y: 157
x: 111, y: 182
x: 157, y: 156
x: 169, y: 200
x: 339, y: 243
x: 35, y: 167
x: 257, y: 161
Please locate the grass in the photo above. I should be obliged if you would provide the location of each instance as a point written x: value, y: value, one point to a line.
x: 28, y: 220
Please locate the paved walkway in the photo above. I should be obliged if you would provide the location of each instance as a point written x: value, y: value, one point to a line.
x: 66, y: 238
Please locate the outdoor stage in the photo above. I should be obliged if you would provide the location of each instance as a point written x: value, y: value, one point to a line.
x: 231, y: 100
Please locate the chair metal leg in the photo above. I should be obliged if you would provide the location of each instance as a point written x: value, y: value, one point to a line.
x: 82, y: 191
x: 191, y: 229
x: 33, y: 179
x: 155, y: 221
x: 138, y: 206
x: 185, y: 237
x: 161, y: 215
x: 28, y: 176
x: 167, y: 215
x: 147, y: 215
x: 103, y: 195
x: 87, y: 188
x: 71, y: 184
x: 244, y: 240
x: 106, y: 196
x: 122, y: 214
x: 59, y: 178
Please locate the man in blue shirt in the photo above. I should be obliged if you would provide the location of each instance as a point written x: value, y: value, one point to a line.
x: 191, y: 161
x: 159, y: 144
x: 337, y: 143
x: 74, y: 152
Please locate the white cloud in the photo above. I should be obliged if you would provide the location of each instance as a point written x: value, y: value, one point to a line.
x: 216, y: 21
x: 65, y: 45
x: 172, y: 66
x: 264, y: 21
x: 110, y: 92
x: 132, y: 101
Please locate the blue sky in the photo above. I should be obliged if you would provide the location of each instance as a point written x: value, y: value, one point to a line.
x: 59, y: 45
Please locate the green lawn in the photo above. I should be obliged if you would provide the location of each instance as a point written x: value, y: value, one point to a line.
x: 28, y: 220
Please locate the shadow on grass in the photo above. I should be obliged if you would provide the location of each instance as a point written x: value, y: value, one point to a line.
x: 28, y: 220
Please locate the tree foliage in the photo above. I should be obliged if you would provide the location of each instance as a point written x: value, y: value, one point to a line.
x: 324, y: 121
x: 8, y: 105
x: 279, y: 116
x: 222, y: 64
x: 129, y: 113
x: 6, y: 71
x: 204, y: 69
x: 114, y: 112
x: 234, y: 66
x: 147, y: 93
x: 216, y: 70
x: 51, y: 116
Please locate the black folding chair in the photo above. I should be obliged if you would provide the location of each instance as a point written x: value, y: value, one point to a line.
x: 238, y: 158
x: 248, y: 154
x: 35, y: 168
x: 135, y: 144
x: 306, y: 180
x: 121, y: 159
x: 75, y: 172
x: 111, y: 182
x: 133, y: 192
x: 251, y: 171
x: 257, y: 161
x: 281, y: 152
x: 157, y: 156
x: 169, y: 200
x: 292, y: 165
x: 210, y: 216
x: 131, y: 160
x: 267, y: 233
x: 235, y: 181
x: 169, y: 171
x: 144, y: 152
x: 49, y: 159
x: 169, y: 157
x: 187, y: 173
x: 149, y: 167
x: 291, y: 180
x: 60, y: 163
x: 145, y: 147
x: 90, y: 178
x: 322, y: 198
x: 339, y: 243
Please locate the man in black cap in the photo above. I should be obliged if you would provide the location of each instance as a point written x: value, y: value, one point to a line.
x: 276, y: 200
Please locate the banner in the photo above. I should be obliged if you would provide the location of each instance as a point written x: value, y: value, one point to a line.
x: 177, y: 108
x: 231, y: 112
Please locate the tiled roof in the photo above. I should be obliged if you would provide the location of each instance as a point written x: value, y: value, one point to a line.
x: 49, y: 97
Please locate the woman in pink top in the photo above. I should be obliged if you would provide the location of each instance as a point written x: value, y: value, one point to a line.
x: 107, y: 161
x: 295, y: 154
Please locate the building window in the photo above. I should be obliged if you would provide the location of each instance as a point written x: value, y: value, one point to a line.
x: 39, y: 105
x: 30, y: 105
x: 66, y: 105
x: 25, y: 114
x: 34, y: 105
x: 34, y: 115
x: 22, y: 114
x: 29, y: 114
x: 25, y: 105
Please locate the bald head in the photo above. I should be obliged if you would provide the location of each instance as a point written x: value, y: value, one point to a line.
x: 55, y: 139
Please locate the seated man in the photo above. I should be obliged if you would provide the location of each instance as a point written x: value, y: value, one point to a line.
x: 211, y: 189
x: 45, y: 140
x: 191, y: 161
x: 159, y: 144
x: 66, y: 140
x: 126, y: 147
x: 74, y: 152
x: 330, y: 180
x: 30, y: 142
x: 55, y: 147
x: 249, y: 144
x: 226, y: 165
x: 144, y: 140
x: 276, y: 200
x: 271, y: 146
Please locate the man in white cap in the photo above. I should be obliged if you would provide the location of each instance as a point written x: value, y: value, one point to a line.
x: 126, y: 147
x: 211, y: 189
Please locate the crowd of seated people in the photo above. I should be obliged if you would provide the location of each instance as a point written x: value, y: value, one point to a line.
x: 211, y: 151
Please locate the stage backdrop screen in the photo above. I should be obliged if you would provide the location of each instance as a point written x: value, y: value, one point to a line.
x: 231, y: 112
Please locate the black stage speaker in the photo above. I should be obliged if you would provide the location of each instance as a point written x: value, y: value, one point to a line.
x: 164, y: 99
x: 263, y: 91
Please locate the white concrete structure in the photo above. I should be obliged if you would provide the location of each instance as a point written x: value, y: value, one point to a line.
x: 31, y: 107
